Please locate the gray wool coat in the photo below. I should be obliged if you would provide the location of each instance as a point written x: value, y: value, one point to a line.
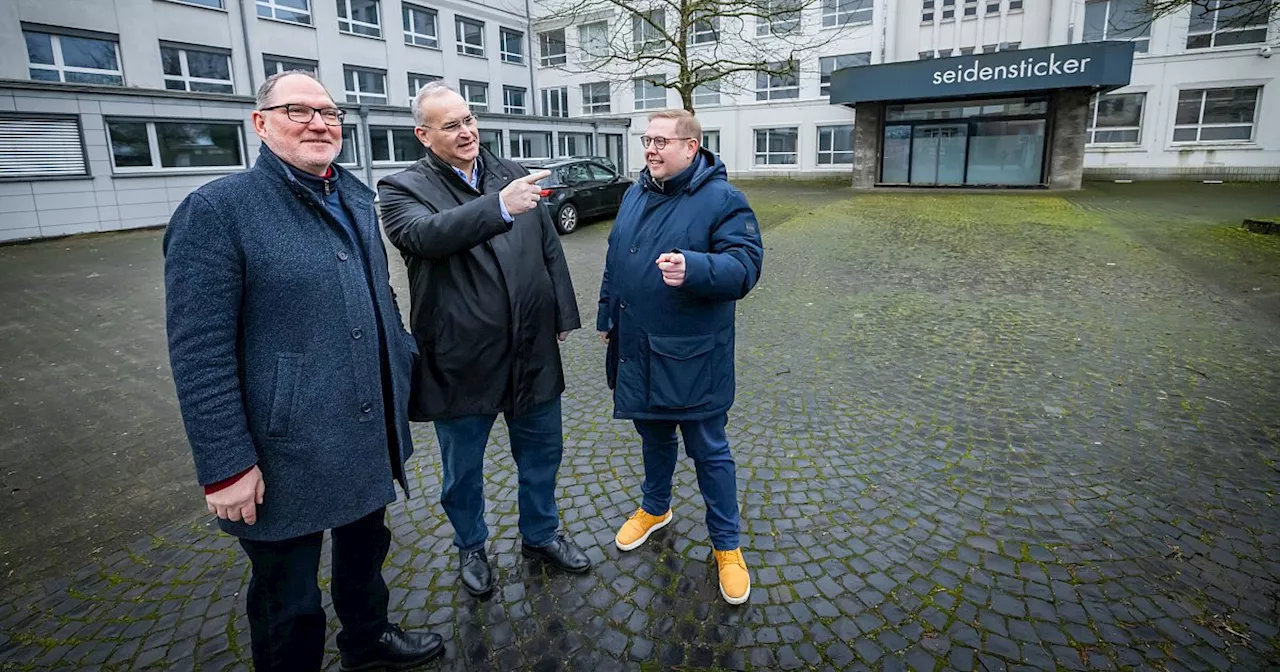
x: 277, y: 351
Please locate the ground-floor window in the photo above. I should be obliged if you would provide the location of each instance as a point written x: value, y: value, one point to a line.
x: 711, y: 141
x: 777, y: 146
x: 530, y: 144
x: 350, y: 154
x: 148, y: 145
x: 985, y: 142
x: 41, y: 146
x: 1116, y: 119
x: 492, y: 139
x: 1209, y: 115
x: 394, y: 145
x: 835, y: 144
x: 575, y: 144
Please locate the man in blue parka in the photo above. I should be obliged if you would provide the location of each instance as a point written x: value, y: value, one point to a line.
x: 684, y: 249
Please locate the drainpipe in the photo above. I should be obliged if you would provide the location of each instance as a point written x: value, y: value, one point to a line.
x: 366, y: 153
x: 534, y: 100
x: 248, y: 48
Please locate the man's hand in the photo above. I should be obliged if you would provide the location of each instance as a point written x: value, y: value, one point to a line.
x: 240, y: 500
x: 604, y: 337
x: 522, y: 195
x: 672, y: 266
x: 562, y: 335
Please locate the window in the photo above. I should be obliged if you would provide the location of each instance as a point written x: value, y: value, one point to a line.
x: 365, y: 85
x: 359, y: 17
x: 576, y: 144
x: 647, y: 30
x: 926, y: 11
x: 1115, y: 118
x: 650, y: 93
x: 781, y: 81
x: 993, y: 8
x: 41, y: 146
x: 966, y: 51
x: 217, y: 4
x: 293, y: 11
x: 555, y: 102
x: 776, y: 146
x: 350, y: 154
x: 511, y: 45
x: 513, y: 100
x: 705, y: 31
x: 843, y: 12
x: 1118, y: 20
x: 274, y: 65
x: 530, y: 144
x: 194, y: 69
x: 416, y: 82
x: 989, y: 48
x: 971, y: 8
x: 835, y: 144
x: 1015, y: 5
x: 491, y: 140
x: 595, y: 98
x: 67, y: 58
x: 926, y: 55
x: 394, y: 145
x: 476, y: 94
x: 593, y: 40
x: 707, y: 93
x: 1222, y: 23
x: 829, y: 64
x: 470, y: 34
x: 779, y: 17
x: 150, y: 145
x: 711, y: 141
x: 420, y: 26
x: 551, y: 48
x: 1209, y: 115
x: 945, y: 53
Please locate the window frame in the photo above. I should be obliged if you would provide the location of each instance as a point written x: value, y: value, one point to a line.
x: 591, y: 107
x: 516, y: 58
x: 507, y: 107
x: 347, y: 92
x: 421, y: 79
x: 638, y: 86
x: 355, y: 145
x: 186, y: 78
x: 1091, y: 124
x: 59, y: 63
x: 271, y: 6
x: 708, y: 94
x: 515, y: 138
x: 1200, y: 125
x: 824, y: 78
x: 411, y: 27
x: 311, y: 66
x: 705, y: 31
x: 833, y: 152
x: 586, y: 55
x: 153, y: 146
x: 551, y: 60
x: 834, y: 17
x: 38, y: 117
x: 756, y: 154
x: 352, y: 23
x: 770, y: 92
x: 1142, y: 43
x: 646, y: 36
x: 773, y: 24
x: 702, y: 142
x: 561, y: 144
x: 1216, y: 30
x: 548, y: 94
x: 465, y: 87
x: 390, y: 136
x: 466, y: 48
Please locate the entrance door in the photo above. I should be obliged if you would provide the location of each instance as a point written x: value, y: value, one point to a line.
x: 938, y: 154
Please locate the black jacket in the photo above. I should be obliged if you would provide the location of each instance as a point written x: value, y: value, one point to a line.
x: 488, y: 297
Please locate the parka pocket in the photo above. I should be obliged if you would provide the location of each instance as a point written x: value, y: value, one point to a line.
x: 680, y: 372
x: 288, y: 373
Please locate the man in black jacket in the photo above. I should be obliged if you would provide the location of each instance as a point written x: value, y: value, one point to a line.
x: 491, y: 298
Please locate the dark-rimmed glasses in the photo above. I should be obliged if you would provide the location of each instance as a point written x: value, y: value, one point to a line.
x: 303, y: 114
x: 455, y: 126
x: 658, y: 142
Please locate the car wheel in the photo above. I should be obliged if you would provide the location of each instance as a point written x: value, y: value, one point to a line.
x: 567, y: 218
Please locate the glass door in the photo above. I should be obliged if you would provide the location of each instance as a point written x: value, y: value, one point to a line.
x: 938, y: 153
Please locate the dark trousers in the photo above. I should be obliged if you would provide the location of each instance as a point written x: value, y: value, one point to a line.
x: 286, y: 621
x: 537, y: 445
x: 707, y: 445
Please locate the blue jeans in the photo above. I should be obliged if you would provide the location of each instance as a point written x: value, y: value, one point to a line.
x: 536, y: 444
x: 706, y: 444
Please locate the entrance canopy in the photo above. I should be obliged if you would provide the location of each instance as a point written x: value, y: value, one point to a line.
x: 1101, y: 66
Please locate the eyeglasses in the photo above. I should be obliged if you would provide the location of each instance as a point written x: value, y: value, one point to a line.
x: 658, y: 142
x: 303, y: 114
x: 455, y: 126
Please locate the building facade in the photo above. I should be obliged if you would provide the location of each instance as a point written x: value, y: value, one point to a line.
x: 112, y: 111
x: 1201, y: 101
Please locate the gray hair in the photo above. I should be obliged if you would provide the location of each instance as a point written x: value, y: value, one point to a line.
x: 269, y: 85
x: 429, y: 90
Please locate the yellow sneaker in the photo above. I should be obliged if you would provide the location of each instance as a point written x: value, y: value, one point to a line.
x: 638, y: 527
x: 735, y: 583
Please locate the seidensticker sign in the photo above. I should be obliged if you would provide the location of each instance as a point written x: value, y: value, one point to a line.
x: 1095, y: 66
x: 1029, y: 67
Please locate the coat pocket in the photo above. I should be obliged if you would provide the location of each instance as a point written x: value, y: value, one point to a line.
x: 680, y: 371
x: 288, y: 373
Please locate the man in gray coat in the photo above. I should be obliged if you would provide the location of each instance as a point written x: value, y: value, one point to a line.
x: 292, y: 371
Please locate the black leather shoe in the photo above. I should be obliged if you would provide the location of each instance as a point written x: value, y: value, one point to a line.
x: 395, y: 650
x: 477, y: 576
x: 562, y: 553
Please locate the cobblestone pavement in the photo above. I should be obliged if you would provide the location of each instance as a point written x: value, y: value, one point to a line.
x: 973, y: 432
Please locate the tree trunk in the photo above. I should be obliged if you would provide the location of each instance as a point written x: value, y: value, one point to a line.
x: 686, y: 98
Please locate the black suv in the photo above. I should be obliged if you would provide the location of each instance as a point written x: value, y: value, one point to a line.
x: 580, y: 188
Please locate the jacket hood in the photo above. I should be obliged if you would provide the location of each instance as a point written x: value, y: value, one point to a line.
x: 706, y: 166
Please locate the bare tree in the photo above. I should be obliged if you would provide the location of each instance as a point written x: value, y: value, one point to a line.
x: 692, y: 45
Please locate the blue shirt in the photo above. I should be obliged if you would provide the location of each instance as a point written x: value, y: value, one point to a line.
x: 474, y: 180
